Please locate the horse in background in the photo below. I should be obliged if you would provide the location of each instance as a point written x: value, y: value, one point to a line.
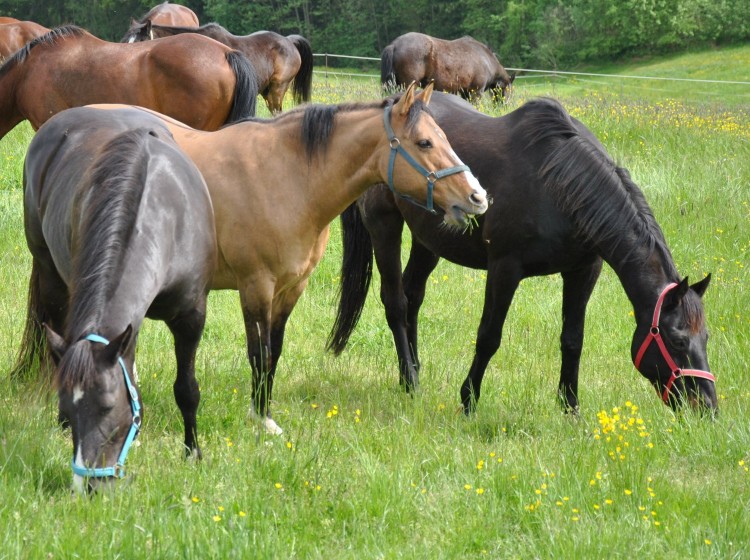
x: 279, y: 62
x: 14, y: 35
x: 191, y: 78
x: 560, y: 205
x: 463, y: 66
x: 170, y: 14
x: 120, y: 226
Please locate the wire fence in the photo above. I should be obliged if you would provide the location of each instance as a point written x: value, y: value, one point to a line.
x: 532, y: 73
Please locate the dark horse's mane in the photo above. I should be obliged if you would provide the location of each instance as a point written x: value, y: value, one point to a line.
x: 48, y: 39
x: 601, y: 197
x: 118, y: 181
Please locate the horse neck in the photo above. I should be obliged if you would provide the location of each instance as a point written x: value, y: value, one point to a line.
x: 10, y: 115
x: 349, y: 164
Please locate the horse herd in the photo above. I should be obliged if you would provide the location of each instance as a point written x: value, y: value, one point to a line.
x: 137, y: 204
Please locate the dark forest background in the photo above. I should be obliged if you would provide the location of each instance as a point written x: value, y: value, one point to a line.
x: 524, y: 33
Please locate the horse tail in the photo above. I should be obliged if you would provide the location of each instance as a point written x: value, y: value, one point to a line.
x: 356, y: 273
x: 32, y: 354
x: 387, y: 72
x: 302, y: 84
x: 245, y: 99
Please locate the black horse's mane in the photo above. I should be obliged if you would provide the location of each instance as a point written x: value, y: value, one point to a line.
x: 48, y: 39
x: 109, y: 218
x: 602, y: 199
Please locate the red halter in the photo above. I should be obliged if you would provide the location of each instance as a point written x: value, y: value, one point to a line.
x: 655, y: 335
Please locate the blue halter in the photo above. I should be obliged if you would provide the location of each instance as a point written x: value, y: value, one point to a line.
x: 431, y: 176
x: 118, y: 470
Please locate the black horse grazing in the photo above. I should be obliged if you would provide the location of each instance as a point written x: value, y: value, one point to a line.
x: 464, y: 66
x: 279, y: 62
x: 560, y: 205
x: 120, y: 226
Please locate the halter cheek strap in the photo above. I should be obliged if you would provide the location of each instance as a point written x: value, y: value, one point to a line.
x: 117, y: 470
x: 655, y: 335
x: 431, y: 176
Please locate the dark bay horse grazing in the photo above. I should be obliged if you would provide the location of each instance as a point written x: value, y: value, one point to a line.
x: 273, y: 213
x: 171, y: 14
x: 560, y: 205
x: 279, y: 62
x: 191, y: 78
x: 15, y: 35
x: 120, y: 226
x: 464, y: 66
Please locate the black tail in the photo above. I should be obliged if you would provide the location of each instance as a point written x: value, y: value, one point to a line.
x: 356, y: 273
x: 387, y: 73
x: 32, y: 354
x: 302, y: 84
x: 246, y: 88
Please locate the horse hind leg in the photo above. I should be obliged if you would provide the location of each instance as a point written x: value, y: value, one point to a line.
x: 187, y: 329
x: 577, y: 288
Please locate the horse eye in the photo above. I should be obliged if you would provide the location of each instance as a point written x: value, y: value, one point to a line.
x: 424, y: 144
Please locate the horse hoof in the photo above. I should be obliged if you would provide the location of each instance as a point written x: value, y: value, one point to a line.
x: 267, y: 423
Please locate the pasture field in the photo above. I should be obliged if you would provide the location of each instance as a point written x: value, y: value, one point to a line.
x: 364, y: 471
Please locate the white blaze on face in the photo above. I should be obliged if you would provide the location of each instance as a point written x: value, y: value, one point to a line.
x: 78, y: 482
x: 77, y: 394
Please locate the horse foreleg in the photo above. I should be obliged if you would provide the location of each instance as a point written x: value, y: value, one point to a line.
x: 257, y: 317
x: 577, y: 288
x: 187, y: 329
x: 421, y: 263
x: 503, y: 278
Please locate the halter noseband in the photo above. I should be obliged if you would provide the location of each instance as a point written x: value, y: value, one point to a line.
x: 118, y: 470
x: 654, y: 334
x: 431, y: 176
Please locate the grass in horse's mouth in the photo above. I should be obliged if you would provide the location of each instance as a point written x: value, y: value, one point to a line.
x: 470, y: 223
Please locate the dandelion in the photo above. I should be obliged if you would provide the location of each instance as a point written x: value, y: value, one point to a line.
x: 480, y: 465
x: 707, y: 541
x: 279, y: 486
x: 467, y: 486
x: 216, y: 518
x: 628, y: 492
x: 221, y: 508
x: 480, y: 491
x: 242, y: 513
x: 195, y: 499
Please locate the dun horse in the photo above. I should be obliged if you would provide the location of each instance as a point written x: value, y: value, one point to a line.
x: 15, y: 35
x: 120, y: 226
x: 560, y: 205
x: 171, y: 14
x: 190, y: 78
x: 273, y: 213
x: 464, y: 66
x: 279, y: 61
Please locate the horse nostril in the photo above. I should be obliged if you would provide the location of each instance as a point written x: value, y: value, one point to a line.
x: 478, y: 199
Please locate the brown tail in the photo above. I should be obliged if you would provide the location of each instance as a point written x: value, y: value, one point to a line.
x: 33, y: 361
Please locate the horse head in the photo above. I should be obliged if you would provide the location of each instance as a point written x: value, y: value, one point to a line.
x: 671, y: 351
x: 414, y: 134
x: 139, y: 31
x: 98, y: 399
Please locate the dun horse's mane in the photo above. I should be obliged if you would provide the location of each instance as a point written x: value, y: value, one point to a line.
x: 118, y: 180
x: 48, y: 39
x: 604, y: 202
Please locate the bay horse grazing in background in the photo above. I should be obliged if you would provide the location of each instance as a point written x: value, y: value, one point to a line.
x: 273, y: 213
x: 120, y: 226
x: 15, y: 35
x: 560, y: 205
x: 170, y: 14
x: 464, y: 66
x: 279, y: 62
x: 191, y: 78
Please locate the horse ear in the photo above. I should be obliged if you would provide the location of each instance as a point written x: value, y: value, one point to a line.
x: 674, y: 297
x: 406, y: 101
x: 427, y: 93
x: 700, y: 287
x: 55, y: 342
x: 118, y: 346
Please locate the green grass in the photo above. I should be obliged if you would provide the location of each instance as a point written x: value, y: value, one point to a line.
x: 364, y: 471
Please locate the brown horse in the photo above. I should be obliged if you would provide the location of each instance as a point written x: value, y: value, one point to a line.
x: 6, y: 19
x: 279, y: 61
x: 191, y: 78
x: 272, y: 213
x: 171, y: 14
x: 464, y: 66
x: 15, y: 35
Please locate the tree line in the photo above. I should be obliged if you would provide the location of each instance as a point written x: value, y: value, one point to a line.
x: 524, y: 33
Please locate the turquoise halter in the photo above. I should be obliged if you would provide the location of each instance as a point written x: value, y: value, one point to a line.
x: 118, y: 470
x: 431, y: 176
